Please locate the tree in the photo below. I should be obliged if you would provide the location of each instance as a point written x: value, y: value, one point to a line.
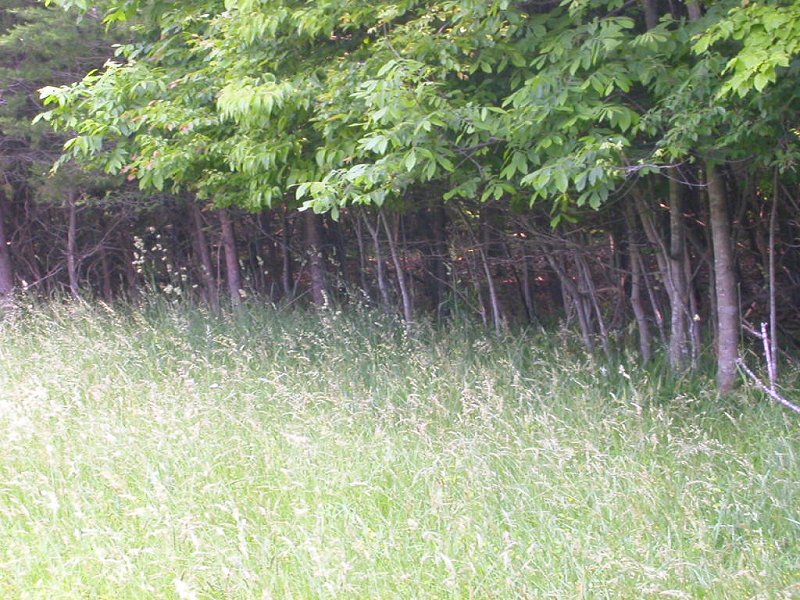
x: 38, y: 46
x: 562, y: 108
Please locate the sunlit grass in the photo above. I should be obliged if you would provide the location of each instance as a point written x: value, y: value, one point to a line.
x: 165, y: 453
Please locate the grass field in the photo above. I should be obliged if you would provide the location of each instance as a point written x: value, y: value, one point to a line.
x: 163, y: 453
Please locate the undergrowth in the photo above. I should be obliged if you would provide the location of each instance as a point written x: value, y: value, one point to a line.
x: 164, y: 452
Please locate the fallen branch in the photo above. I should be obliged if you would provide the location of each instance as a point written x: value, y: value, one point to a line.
x: 769, y: 392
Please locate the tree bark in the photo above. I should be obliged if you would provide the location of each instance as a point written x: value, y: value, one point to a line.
x: 72, y: 245
x: 773, y: 304
x: 571, y: 292
x: 231, y: 258
x: 727, y: 304
x: 678, y: 339
x: 336, y: 242
x: 670, y: 265
x: 380, y: 269
x: 408, y: 308
x: 204, y: 256
x: 486, y: 249
x: 494, y: 299
x: 694, y: 11
x: 362, y: 259
x: 650, y: 13
x: 590, y: 290
x: 316, y: 261
x: 645, y: 337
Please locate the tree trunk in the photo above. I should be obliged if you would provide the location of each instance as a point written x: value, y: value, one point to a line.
x: 670, y: 265
x: 494, y: 299
x: 316, y: 261
x: 486, y: 249
x: 773, y: 305
x: 380, y: 269
x: 408, y: 309
x: 678, y: 339
x: 362, y: 260
x: 336, y: 241
x: 438, y: 264
x: 286, y: 256
x: 204, y: 256
x: 6, y: 269
x: 694, y: 11
x: 590, y: 290
x: 231, y: 258
x: 72, y: 245
x: 650, y: 13
x: 645, y: 337
x: 727, y: 304
x: 571, y: 292
x: 694, y: 310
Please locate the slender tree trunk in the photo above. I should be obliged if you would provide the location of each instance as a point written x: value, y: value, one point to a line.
x: 658, y: 313
x: 380, y: 269
x: 204, y: 256
x: 488, y: 248
x: 316, y: 260
x: 773, y: 306
x: 335, y: 239
x: 72, y: 245
x: 571, y: 292
x: 438, y: 262
x: 590, y: 290
x: 618, y: 275
x: 645, y: 337
x: 694, y: 310
x: 693, y: 7
x: 494, y: 299
x: 286, y: 255
x: 727, y: 304
x: 650, y: 13
x: 362, y: 259
x: 231, y: 257
x: 670, y: 265
x: 523, y: 280
x: 678, y: 339
x: 408, y: 308
x: 6, y: 269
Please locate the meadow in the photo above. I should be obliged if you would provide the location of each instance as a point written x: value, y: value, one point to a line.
x: 163, y: 452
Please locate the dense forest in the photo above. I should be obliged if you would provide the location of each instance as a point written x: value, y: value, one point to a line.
x: 620, y: 171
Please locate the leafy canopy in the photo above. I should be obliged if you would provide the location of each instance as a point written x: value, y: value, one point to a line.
x: 336, y: 102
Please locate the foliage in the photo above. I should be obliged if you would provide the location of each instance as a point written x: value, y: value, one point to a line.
x: 40, y: 46
x: 768, y: 35
x: 349, y: 102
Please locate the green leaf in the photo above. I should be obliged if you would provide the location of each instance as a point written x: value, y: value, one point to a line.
x: 562, y: 181
x: 411, y: 160
x: 761, y: 81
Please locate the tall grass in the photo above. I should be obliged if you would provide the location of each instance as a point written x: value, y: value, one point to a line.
x: 167, y: 453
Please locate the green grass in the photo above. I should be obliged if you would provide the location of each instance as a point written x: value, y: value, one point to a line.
x: 163, y: 453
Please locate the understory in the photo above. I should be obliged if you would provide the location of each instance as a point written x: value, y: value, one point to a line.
x: 165, y: 452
